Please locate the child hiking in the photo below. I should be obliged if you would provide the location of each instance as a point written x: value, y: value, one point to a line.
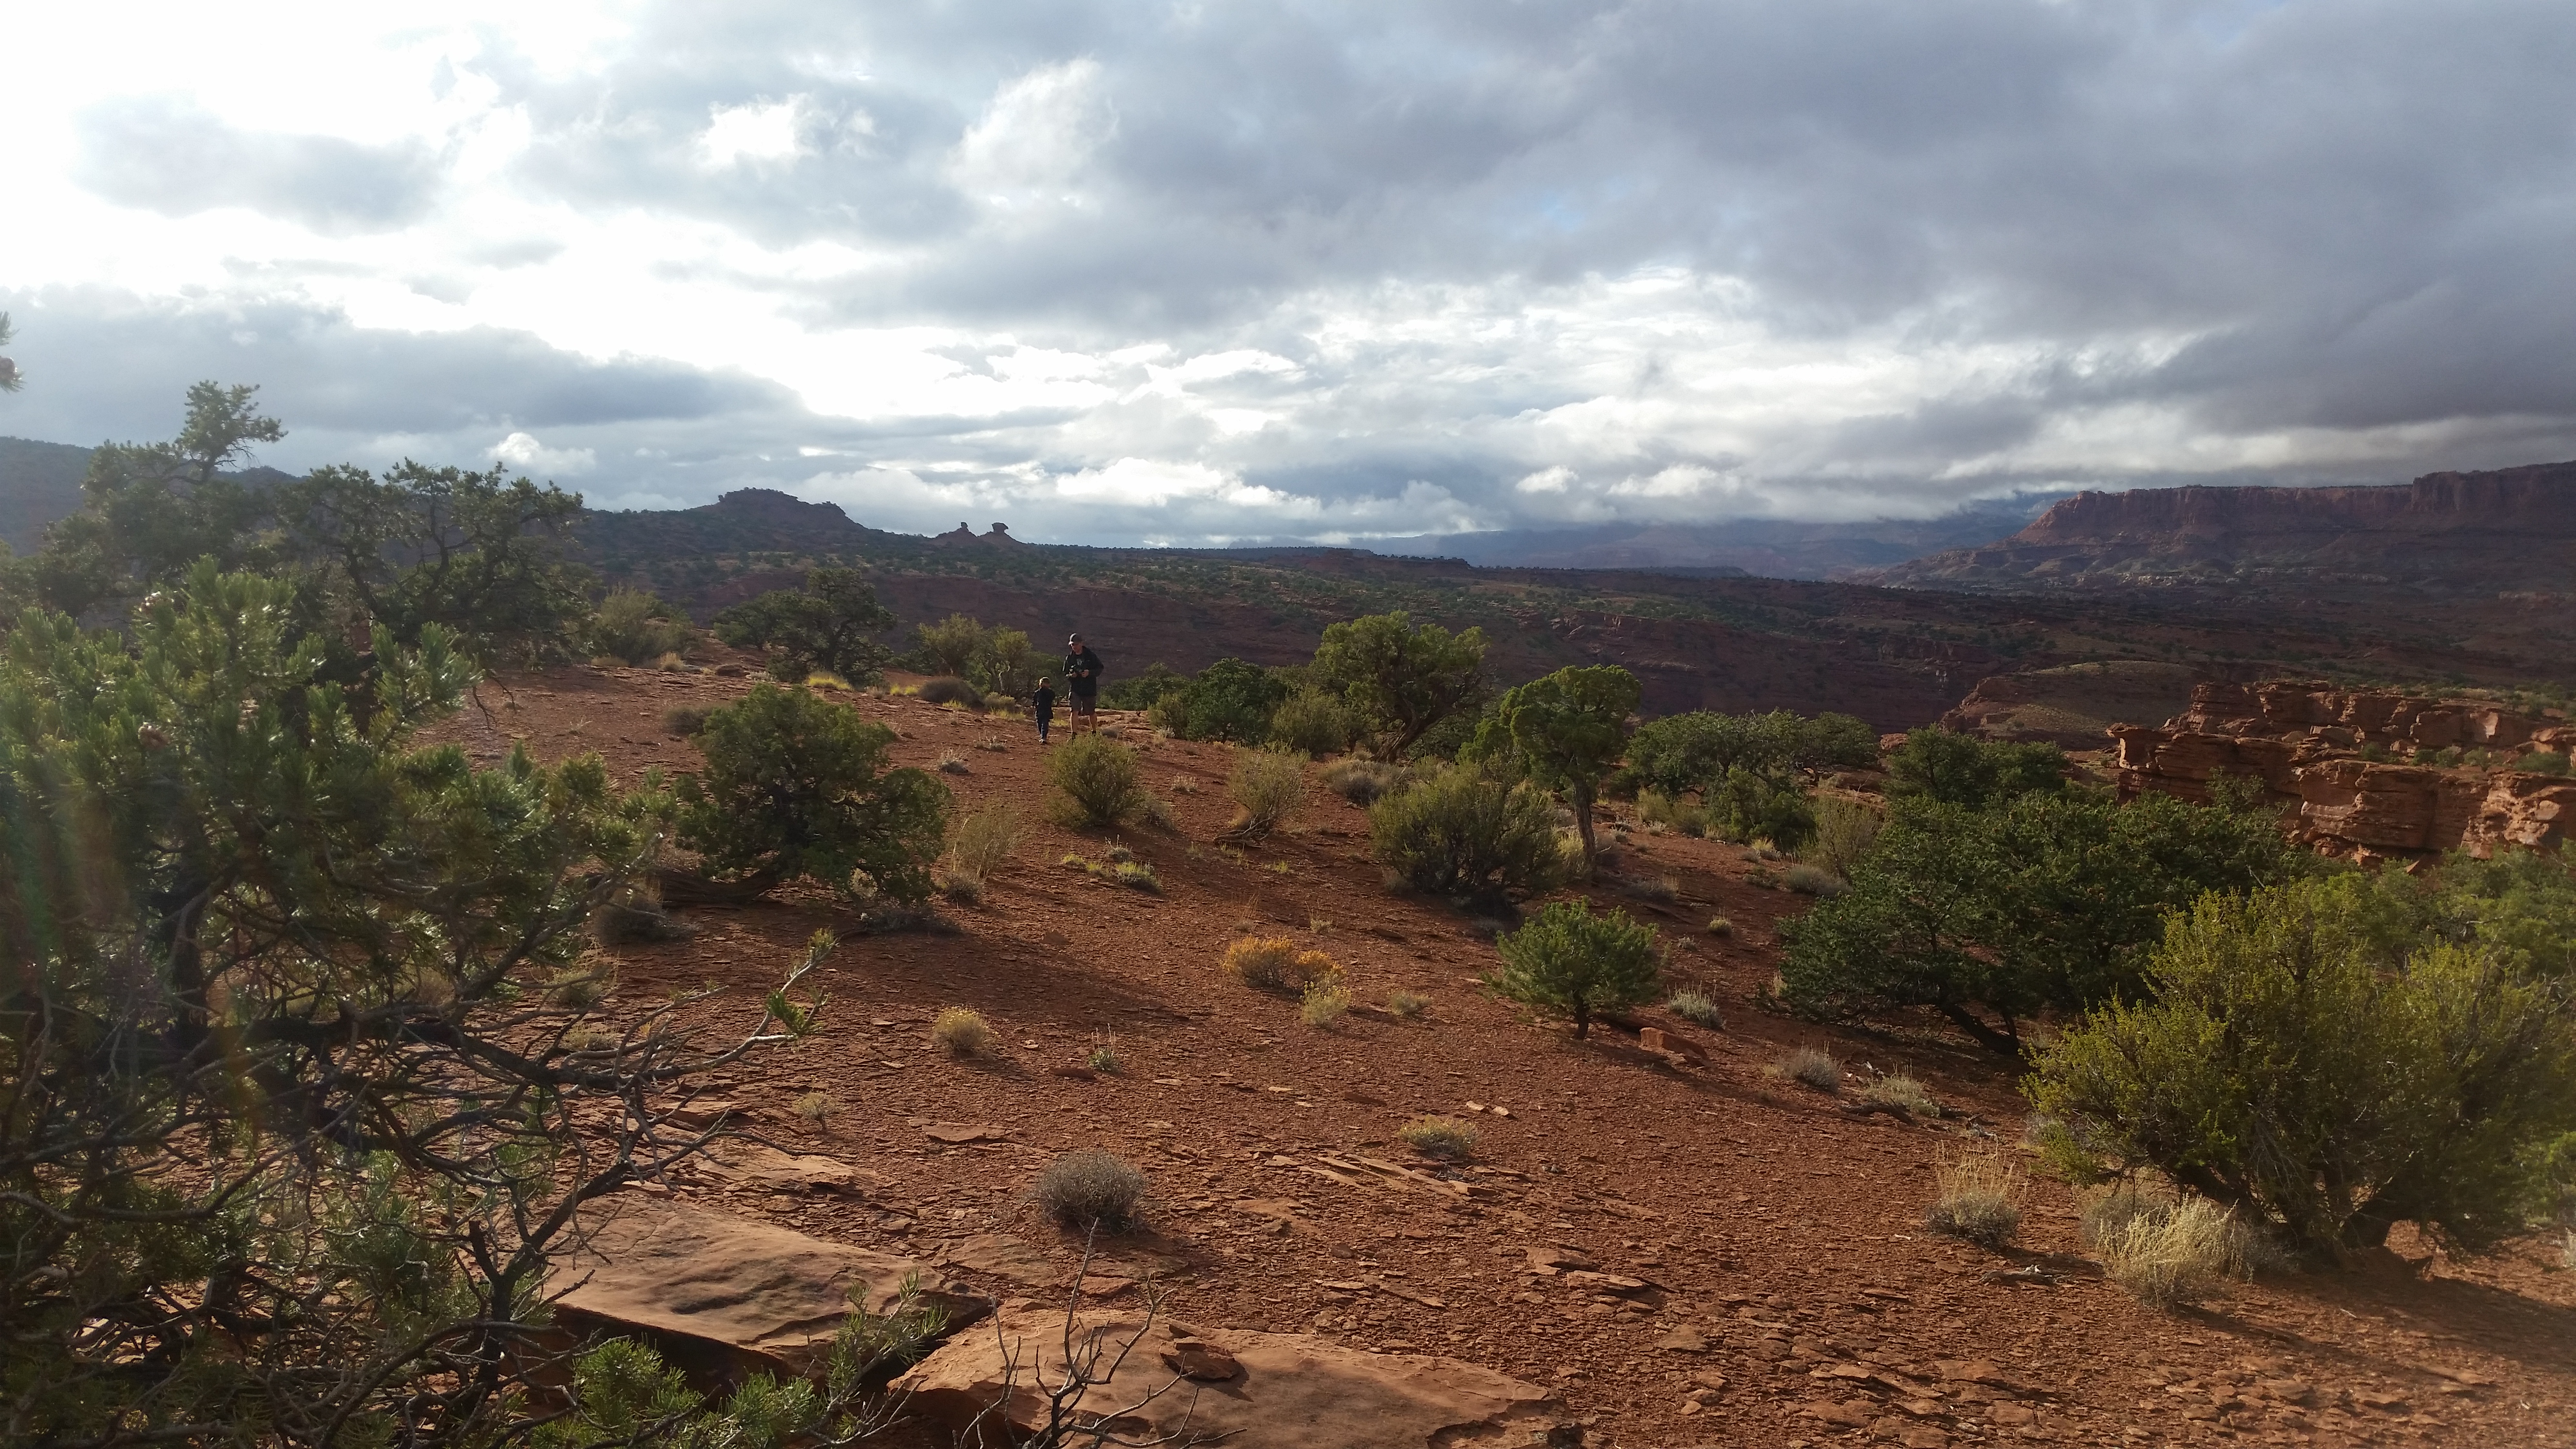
x: 1043, y: 703
x: 1082, y: 682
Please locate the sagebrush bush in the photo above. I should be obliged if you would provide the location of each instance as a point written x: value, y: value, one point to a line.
x: 963, y: 1032
x: 1277, y: 963
x: 1979, y: 1200
x: 1813, y: 880
x: 684, y: 720
x: 1697, y: 1009
x: 949, y: 689
x: 1407, y: 1004
x: 1845, y: 831
x: 1900, y: 1091
x: 1444, y: 1138
x: 1465, y: 835
x: 815, y: 1107
x: 1097, y: 781
x: 1267, y: 788
x: 1811, y: 1067
x: 1090, y: 1189
x: 2283, y: 1065
x: 1661, y: 889
x: 1363, y: 782
x: 1311, y: 723
x: 1324, y: 1001
x: 1655, y: 808
x: 1570, y: 962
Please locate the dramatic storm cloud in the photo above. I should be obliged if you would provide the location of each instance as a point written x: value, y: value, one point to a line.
x: 1188, y: 272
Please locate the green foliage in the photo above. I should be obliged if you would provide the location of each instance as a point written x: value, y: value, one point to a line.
x: 151, y: 510
x: 1684, y: 752
x: 1312, y: 724
x: 1572, y: 963
x: 636, y: 628
x: 1989, y: 916
x: 827, y: 625
x: 1751, y: 804
x: 797, y: 785
x: 1399, y: 679
x: 2279, y: 1062
x: 1955, y: 769
x: 288, y: 1084
x: 481, y: 555
x: 1142, y: 691
x: 1268, y: 788
x: 1229, y: 700
x: 2543, y: 762
x: 1005, y: 665
x: 1567, y: 731
x: 1097, y: 781
x: 951, y: 645
x: 1465, y: 835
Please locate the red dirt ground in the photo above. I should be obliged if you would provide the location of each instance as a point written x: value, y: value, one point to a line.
x: 1785, y: 1233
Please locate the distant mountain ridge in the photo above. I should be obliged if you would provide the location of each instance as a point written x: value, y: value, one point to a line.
x: 1766, y: 547
x: 2508, y: 530
x: 39, y: 482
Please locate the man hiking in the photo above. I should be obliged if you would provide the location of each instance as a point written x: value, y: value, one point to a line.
x: 1043, y: 702
x: 1082, y: 683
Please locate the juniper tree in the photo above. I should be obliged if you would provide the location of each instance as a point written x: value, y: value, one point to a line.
x: 828, y: 624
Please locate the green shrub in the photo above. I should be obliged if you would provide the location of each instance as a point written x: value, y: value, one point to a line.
x: 1097, y: 781
x: 1947, y: 768
x: 1230, y: 700
x: 796, y: 785
x: 1900, y: 1091
x: 1654, y: 807
x: 1845, y: 831
x: 633, y: 627
x: 1464, y: 835
x: 1091, y: 1189
x: 1570, y: 962
x: 1684, y: 752
x: 1988, y: 917
x: 2280, y: 1064
x: 1399, y: 679
x: 1324, y: 1001
x: 1312, y: 723
x: 2543, y: 762
x: 830, y: 624
x: 1144, y: 689
x: 1267, y: 788
x: 1364, y: 782
x: 684, y: 720
x: 1750, y: 805
x: 1812, y: 880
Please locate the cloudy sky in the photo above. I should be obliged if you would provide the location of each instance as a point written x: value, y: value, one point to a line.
x: 1182, y: 272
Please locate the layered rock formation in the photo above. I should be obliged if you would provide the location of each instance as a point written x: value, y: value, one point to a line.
x: 2073, y: 706
x: 2367, y: 772
x: 2481, y: 534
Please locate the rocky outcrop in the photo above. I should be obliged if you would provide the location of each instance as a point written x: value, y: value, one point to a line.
x: 2361, y: 771
x: 1274, y: 1390
x: 2474, y: 533
x: 722, y: 1295
x: 2074, y: 705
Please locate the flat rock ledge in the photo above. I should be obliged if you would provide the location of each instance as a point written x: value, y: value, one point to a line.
x: 1244, y: 1390
x: 722, y: 1295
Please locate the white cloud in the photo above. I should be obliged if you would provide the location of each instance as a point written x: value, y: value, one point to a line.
x: 764, y: 131
x: 521, y: 450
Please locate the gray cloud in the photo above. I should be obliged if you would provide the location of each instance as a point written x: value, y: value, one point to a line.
x: 1519, y: 265
x: 177, y: 160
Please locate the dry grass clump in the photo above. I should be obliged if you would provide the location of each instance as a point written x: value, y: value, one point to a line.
x: 1136, y: 875
x: 1324, y: 1001
x: 1407, y: 1004
x: 592, y: 1039
x: 684, y: 720
x: 581, y: 987
x: 963, y: 1032
x: 815, y: 1107
x: 1277, y: 963
x: 1696, y: 1008
x: 1661, y: 889
x: 1185, y: 784
x: 1901, y: 1091
x: 1104, y: 1056
x: 1979, y: 1201
x: 2170, y: 1254
x: 1721, y: 927
x: 1445, y: 1138
x: 1267, y: 787
x: 949, y: 689
x: 1809, y: 1067
x: 1362, y: 782
x: 1813, y: 880
x: 953, y: 764
x: 981, y: 842
x: 1090, y: 1189
x: 993, y: 745
x: 1661, y: 812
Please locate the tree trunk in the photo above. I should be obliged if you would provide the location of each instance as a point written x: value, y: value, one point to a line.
x: 2006, y: 1041
x: 1581, y: 796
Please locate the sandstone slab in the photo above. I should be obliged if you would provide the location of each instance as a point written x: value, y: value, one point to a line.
x: 1285, y: 1391
x: 725, y: 1293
